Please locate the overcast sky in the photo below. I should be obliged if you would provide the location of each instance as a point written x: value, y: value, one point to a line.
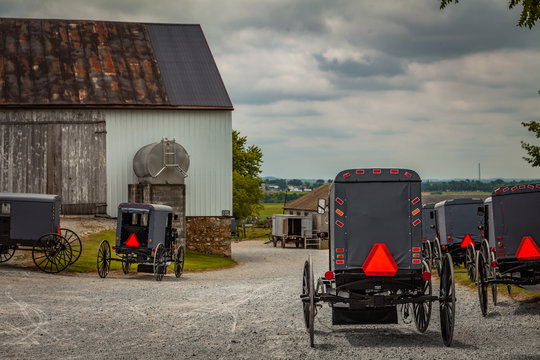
x: 325, y: 85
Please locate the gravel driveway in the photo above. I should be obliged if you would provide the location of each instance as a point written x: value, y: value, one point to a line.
x: 251, y: 311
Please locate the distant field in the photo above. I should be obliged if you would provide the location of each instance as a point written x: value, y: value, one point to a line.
x: 271, y: 209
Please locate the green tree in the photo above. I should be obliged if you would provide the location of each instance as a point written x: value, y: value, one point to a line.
x: 530, y: 12
x: 247, y: 193
x: 532, y: 150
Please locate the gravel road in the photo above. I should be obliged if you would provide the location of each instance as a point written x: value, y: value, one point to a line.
x: 251, y: 311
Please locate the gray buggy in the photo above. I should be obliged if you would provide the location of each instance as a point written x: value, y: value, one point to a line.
x: 460, y: 230
x: 429, y: 231
x: 510, y: 254
x: 144, y: 236
x: 375, y: 256
x: 31, y: 222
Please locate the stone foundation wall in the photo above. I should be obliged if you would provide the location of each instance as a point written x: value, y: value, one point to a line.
x: 209, y: 234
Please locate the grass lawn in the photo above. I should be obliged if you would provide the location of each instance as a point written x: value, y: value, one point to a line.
x: 193, y: 260
x: 271, y: 209
x: 460, y: 275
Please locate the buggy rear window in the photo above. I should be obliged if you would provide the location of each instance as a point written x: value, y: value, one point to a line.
x: 5, y: 209
x: 135, y: 219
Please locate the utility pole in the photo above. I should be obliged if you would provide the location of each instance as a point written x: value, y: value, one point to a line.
x: 479, y: 176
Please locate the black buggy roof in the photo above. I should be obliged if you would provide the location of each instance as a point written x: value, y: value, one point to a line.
x: 376, y: 175
x: 459, y: 202
x: 29, y: 197
x: 143, y: 206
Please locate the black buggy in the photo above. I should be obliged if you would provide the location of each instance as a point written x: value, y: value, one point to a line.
x: 429, y: 231
x: 510, y: 254
x: 460, y: 230
x: 375, y: 256
x: 32, y: 222
x: 144, y: 236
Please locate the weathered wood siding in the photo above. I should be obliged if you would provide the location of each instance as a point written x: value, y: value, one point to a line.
x: 56, y: 152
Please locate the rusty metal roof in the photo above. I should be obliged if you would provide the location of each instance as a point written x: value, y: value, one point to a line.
x: 310, y: 201
x: 86, y: 63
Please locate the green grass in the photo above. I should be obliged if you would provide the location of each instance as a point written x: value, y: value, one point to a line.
x: 461, y: 277
x: 193, y: 260
x: 271, y: 209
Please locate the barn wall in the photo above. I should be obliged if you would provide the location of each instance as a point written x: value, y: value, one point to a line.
x: 206, y: 135
x: 56, y: 152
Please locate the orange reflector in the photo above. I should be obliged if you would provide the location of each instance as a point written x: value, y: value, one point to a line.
x: 416, y: 211
x: 499, y: 244
x: 339, y: 212
x: 132, y: 241
x: 380, y: 262
x: 466, y: 241
x: 329, y: 275
x: 415, y: 255
x: 528, y: 250
x: 340, y: 256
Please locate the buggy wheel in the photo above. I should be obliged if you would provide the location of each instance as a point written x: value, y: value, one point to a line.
x: 422, y: 310
x: 104, y: 259
x: 74, y: 241
x: 493, y: 276
x: 179, y: 262
x: 437, y: 256
x: 484, y: 247
x: 426, y: 253
x: 160, y: 265
x: 308, y: 290
x: 481, y: 281
x: 274, y: 240
x: 297, y: 244
x: 470, y: 262
x: 447, y: 299
x: 52, y: 253
x: 6, y: 253
x: 126, y: 264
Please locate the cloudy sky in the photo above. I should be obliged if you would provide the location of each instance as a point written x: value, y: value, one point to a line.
x: 324, y: 85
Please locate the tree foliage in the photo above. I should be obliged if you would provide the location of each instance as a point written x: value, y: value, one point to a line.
x: 532, y: 150
x: 247, y: 193
x: 530, y: 12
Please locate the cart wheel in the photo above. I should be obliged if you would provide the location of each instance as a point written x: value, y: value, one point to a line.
x: 74, y: 241
x: 297, y: 244
x: 104, y: 259
x: 274, y: 241
x: 52, y: 253
x: 470, y: 262
x: 308, y: 289
x: 6, y: 253
x: 481, y: 281
x: 160, y: 265
x: 447, y: 299
x: 179, y: 262
x: 283, y: 242
x: 126, y: 264
x: 422, y: 310
x: 509, y: 289
x: 493, y: 273
x: 437, y: 256
x: 426, y: 253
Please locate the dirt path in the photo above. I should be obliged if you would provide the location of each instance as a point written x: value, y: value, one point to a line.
x: 251, y: 311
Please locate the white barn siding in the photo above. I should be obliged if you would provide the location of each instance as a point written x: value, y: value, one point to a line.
x: 206, y: 135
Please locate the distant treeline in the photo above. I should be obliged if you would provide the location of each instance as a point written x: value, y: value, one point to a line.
x: 470, y: 185
x: 279, y: 196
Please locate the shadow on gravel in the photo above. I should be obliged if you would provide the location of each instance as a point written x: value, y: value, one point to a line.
x: 527, y: 309
x: 387, y: 337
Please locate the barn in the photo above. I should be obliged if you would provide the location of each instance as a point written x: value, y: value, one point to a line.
x: 78, y: 98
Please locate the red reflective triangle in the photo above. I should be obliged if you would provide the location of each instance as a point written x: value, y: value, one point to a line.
x: 466, y: 241
x: 380, y: 262
x: 528, y: 250
x: 132, y: 241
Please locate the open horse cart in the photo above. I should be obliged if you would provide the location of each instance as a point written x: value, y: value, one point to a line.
x: 144, y: 236
x: 31, y: 222
x: 376, y: 265
x: 511, y: 254
x: 460, y: 230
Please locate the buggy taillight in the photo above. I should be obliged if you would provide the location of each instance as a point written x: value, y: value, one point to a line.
x: 494, y: 264
x: 329, y: 275
x: 426, y: 276
x: 59, y: 232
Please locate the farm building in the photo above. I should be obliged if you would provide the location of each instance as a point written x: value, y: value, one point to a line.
x: 307, y: 205
x: 78, y: 98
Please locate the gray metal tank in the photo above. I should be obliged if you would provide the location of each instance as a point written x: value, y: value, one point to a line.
x: 164, y: 162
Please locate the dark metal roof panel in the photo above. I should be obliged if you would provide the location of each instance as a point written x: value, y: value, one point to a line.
x: 189, y: 71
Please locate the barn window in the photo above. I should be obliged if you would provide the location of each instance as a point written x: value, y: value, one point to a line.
x: 298, y: 213
x: 305, y: 214
x: 5, y: 209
